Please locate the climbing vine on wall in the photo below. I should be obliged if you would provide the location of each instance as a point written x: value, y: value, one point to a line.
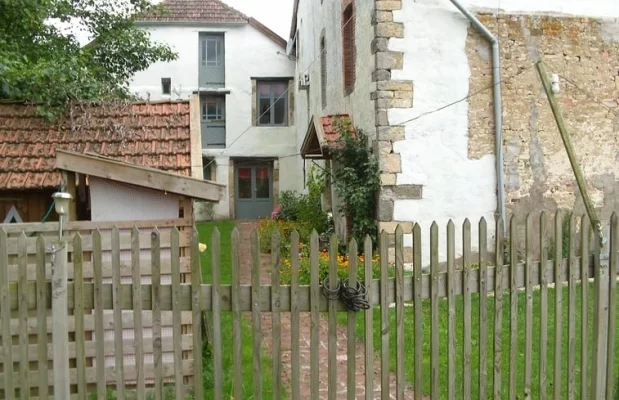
x: 356, y: 180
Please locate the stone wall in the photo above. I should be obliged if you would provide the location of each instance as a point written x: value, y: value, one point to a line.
x: 584, y: 51
x: 390, y: 94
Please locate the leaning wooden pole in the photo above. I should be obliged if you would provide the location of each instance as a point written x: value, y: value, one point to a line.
x: 580, y: 179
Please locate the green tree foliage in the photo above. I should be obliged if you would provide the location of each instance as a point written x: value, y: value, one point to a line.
x: 42, y: 64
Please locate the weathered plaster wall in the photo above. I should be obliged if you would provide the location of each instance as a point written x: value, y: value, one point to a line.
x: 315, y: 20
x: 537, y: 170
x: 449, y: 153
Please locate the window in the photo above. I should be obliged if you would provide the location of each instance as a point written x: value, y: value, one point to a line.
x: 166, y: 84
x: 208, y: 169
x: 323, y: 72
x: 213, y: 109
x: 212, y: 54
x: 348, y: 47
x: 272, y: 102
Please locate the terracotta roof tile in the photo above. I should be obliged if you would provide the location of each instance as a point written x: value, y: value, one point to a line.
x: 153, y: 135
x: 332, y: 135
x: 197, y: 10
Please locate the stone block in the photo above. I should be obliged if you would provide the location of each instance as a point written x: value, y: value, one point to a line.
x: 392, y: 133
x: 381, y: 94
x: 385, y: 209
x: 382, y: 119
x: 383, y: 16
x: 387, y: 179
x: 403, y: 94
x: 400, y: 103
x: 407, y: 192
x: 389, y: 227
x: 380, y: 44
x: 390, y: 30
x: 381, y: 75
x: 389, y: 60
x: 402, y: 192
x: 383, y: 147
x: 389, y: 163
x: 388, y: 5
x: 407, y: 253
x: 395, y: 85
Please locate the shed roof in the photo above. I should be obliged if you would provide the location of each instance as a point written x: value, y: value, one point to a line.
x: 152, y: 178
x: 322, y: 136
x: 148, y: 134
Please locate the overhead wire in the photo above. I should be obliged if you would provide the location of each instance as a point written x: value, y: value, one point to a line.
x: 422, y: 115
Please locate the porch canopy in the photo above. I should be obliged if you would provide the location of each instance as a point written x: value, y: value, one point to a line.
x: 322, y: 136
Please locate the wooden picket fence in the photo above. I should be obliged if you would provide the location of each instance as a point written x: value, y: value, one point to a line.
x: 493, y: 282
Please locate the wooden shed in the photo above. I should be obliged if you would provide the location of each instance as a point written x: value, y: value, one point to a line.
x: 131, y: 167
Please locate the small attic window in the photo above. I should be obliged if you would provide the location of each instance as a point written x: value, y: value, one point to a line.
x: 166, y: 85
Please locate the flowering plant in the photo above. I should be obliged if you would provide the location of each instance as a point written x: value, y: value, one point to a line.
x: 343, y: 262
x: 276, y: 212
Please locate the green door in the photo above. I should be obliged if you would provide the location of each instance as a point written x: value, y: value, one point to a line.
x: 254, y: 190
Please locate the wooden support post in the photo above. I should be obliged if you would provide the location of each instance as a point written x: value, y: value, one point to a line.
x: 580, y: 179
x: 60, y: 333
x: 600, y: 325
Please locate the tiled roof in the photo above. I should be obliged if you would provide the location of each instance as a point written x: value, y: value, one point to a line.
x: 197, y: 10
x: 155, y: 135
x: 322, y: 135
x: 332, y: 135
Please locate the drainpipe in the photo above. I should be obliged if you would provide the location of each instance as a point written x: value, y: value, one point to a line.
x: 498, y: 109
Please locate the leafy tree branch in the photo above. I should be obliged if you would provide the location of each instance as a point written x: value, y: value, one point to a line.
x: 42, y: 64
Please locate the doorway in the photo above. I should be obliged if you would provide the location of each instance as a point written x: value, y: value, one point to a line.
x: 253, y: 190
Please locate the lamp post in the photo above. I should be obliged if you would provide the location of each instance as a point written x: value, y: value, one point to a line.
x: 60, y: 330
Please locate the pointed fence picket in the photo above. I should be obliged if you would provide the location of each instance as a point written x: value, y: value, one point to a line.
x: 488, y: 309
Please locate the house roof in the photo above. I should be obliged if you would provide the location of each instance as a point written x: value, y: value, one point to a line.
x: 197, y: 10
x: 322, y: 135
x: 148, y: 177
x: 209, y: 11
x: 148, y: 134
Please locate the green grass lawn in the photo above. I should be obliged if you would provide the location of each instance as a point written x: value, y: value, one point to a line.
x: 476, y: 343
x: 225, y: 229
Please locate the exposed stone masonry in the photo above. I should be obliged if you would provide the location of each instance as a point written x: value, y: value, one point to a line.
x: 537, y: 171
x: 390, y: 94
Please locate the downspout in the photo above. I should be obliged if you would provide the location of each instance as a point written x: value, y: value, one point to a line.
x: 498, y: 109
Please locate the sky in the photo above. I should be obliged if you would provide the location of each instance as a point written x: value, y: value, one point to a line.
x: 276, y: 14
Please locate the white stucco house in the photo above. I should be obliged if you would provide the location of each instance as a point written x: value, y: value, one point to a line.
x: 245, y: 80
x: 450, y: 93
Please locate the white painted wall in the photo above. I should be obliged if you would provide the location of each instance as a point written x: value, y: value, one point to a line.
x: 434, y: 153
x: 249, y: 54
x: 312, y: 18
x: 115, y: 201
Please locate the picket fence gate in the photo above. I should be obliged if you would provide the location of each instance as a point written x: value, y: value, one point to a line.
x: 456, y: 283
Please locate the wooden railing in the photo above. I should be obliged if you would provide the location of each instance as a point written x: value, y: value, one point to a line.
x: 26, y: 297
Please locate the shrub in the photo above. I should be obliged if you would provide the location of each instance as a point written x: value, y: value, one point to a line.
x: 304, y: 208
x: 266, y: 227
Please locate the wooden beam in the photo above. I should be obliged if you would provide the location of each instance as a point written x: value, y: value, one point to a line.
x: 140, y: 176
x: 195, y: 133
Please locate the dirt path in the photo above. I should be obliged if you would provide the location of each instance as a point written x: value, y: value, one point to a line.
x: 245, y: 229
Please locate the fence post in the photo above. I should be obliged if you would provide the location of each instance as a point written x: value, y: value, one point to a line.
x: 600, y: 323
x: 60, y: 336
